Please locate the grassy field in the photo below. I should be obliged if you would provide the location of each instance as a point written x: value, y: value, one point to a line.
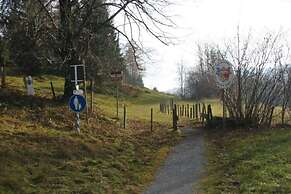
x: 138, y: 104
x: 41, y: 153
x: 248, y: 161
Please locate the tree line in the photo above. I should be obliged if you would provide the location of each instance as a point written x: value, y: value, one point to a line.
x: 262, y: 77
x: 48, y: 36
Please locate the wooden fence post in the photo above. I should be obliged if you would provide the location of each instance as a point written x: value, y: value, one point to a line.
x: 199, y: 109
x: 124, y: 117
x: 183, y: 106
x: 92, y: 95
x: 209, y: 113
x: 203, y: 114
x: 53, y: 90
x: 190, y: 115
x: 151, y: 119
x: 172, y: 103
x: 175, y: 118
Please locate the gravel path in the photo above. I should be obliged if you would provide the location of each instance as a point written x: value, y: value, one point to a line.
x: 183, y: 167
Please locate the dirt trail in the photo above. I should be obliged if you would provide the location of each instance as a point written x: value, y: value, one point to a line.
x: 182, y: 168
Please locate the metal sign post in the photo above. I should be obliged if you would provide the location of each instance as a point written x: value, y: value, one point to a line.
x: 223, y: 108
x: 78, y: 122
x: 77, y: 102
x: 116, y: 76
x: 117, y: 101
x: 224, y: 76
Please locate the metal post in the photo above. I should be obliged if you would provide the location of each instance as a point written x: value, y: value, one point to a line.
x: 78, y: 122
x: 76, y: 76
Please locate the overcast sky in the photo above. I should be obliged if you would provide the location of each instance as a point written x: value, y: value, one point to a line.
x: 210, y: 21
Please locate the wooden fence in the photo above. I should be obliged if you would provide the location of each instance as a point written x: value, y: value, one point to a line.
x: 197, y: 111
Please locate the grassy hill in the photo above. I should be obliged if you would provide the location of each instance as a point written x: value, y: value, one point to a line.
x: 41, y: 153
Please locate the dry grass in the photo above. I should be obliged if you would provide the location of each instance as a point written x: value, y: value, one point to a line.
x: 41, y: 153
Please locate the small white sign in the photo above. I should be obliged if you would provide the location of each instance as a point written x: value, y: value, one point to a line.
x: 116, y: 75
x: 77, y: 73
x: 78, y: 92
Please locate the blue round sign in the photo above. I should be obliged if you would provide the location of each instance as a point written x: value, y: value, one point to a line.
x: 77, y: 103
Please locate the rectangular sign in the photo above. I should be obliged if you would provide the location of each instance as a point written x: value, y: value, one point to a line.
x: 116, y: 75
x: 77, y: 73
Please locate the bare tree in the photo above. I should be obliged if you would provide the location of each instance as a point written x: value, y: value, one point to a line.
x: 181, y: 72
x: 286, y: 90
x: 68, y: 20
x: 259, y: 84
x: 200, y: 82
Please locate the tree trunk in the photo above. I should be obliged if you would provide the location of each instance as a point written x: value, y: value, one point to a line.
x: 239, y: 79
x: 283, y: 115
x: 239, y: 103
x: 68, y: 53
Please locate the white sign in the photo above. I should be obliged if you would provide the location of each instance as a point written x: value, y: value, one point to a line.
x: 29, y: 86
x: 224, y: 74
x: 116, y: 75
x: 77, y: 72
x: 78, y: 92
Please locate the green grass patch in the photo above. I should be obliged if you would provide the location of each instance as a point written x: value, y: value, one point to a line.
x: 248, y: 161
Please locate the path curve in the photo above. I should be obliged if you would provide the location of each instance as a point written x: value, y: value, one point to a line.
x: 182, y: 168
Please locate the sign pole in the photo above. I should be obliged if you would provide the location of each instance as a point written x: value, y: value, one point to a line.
x: 224, y: 76
x: 76, y: 77
x: 116, y: 76
x: 223, y: 109
x: 117, y: 103
x: 78, y: 122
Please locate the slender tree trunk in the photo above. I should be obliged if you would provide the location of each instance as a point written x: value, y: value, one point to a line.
x: 239, y: 100
x: 239, y: 103
x: 283, y: 115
